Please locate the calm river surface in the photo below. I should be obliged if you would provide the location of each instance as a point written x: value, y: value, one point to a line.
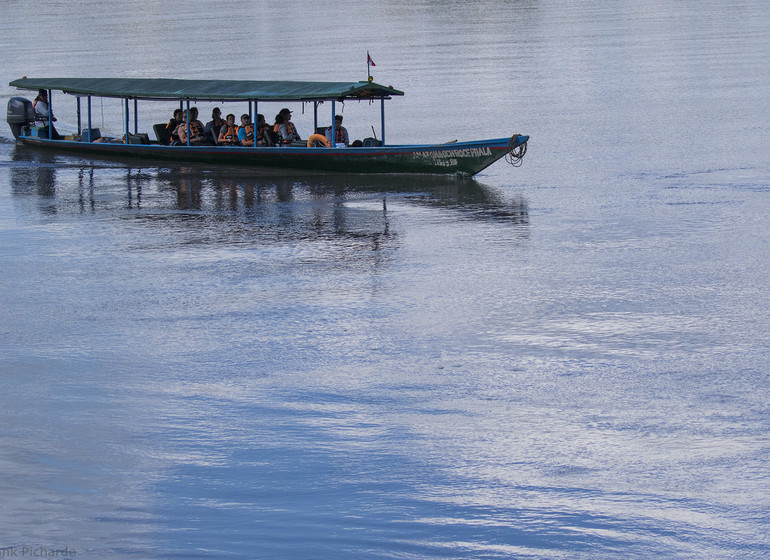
x: 565, y: 360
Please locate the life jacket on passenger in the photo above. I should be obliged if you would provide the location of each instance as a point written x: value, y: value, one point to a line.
x: 339, y: 134
x: 262, y: 134
x: 229, y: 133
x: 197, y: 131
x: 171, y: 128
x: 291, y: 132
x: 248, y: 132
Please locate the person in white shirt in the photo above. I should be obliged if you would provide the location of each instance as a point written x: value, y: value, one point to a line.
x: 42, y: 113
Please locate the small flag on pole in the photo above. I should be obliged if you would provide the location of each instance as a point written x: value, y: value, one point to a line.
x: 369, y: 64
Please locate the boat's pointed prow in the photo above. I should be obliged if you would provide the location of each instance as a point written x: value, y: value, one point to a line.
x: 517, y: 147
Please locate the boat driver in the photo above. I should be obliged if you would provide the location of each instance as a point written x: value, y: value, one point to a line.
x: 42, y: 111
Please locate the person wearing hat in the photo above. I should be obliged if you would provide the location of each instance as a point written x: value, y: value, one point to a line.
x: 285, y: 129
x: 246, y: 131
x: 42, y: 111
x: 342, y: 132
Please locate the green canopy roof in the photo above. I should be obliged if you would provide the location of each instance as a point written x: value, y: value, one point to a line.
x: 209, y: 90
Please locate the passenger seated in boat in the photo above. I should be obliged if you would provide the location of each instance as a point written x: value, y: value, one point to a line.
x: 195, y: 123
x: 246, y: 131
x: 342, y: 132
x: 173, y: 124
x: 285, y: 129
x: 263, y: 132
x: 42, y: 110
x: 278, y: 124
x: 196, y: 129
x: 228, y: 134
x: 211, y: 132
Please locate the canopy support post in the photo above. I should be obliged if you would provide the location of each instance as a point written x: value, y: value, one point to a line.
x: 136, y: 117
x: 189, y: 129
x: 89, y: 118
x: 50, y: 116
x: 126, y: 123
x: 315, y: 116
x: 334, y: 123
x: 382, y: 118
x: 79, y: 126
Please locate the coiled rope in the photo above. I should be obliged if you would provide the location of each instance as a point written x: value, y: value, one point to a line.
x: 515, y: 153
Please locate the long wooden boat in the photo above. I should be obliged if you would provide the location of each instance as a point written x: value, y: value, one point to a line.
x: 375, y: 156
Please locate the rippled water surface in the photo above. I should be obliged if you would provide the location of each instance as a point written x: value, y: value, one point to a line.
x: 563, y: 360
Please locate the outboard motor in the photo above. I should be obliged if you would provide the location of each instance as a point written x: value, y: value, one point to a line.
x: 20, y: 114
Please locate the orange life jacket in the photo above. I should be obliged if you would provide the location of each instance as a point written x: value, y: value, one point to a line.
x: 262, y: 133
x: 197, y: 130
x: 229, y: 133
x: 290, y: 130
x: 249, y: 132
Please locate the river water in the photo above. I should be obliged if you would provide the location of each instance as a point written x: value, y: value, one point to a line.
x: 563, y: 360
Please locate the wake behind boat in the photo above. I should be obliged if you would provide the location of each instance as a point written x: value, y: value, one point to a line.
x: 373, y: 156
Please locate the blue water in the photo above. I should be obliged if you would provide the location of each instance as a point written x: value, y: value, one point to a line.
x: 563, y: 360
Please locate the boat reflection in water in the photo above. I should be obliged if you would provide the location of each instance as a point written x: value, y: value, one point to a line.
x: 225, y: 204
